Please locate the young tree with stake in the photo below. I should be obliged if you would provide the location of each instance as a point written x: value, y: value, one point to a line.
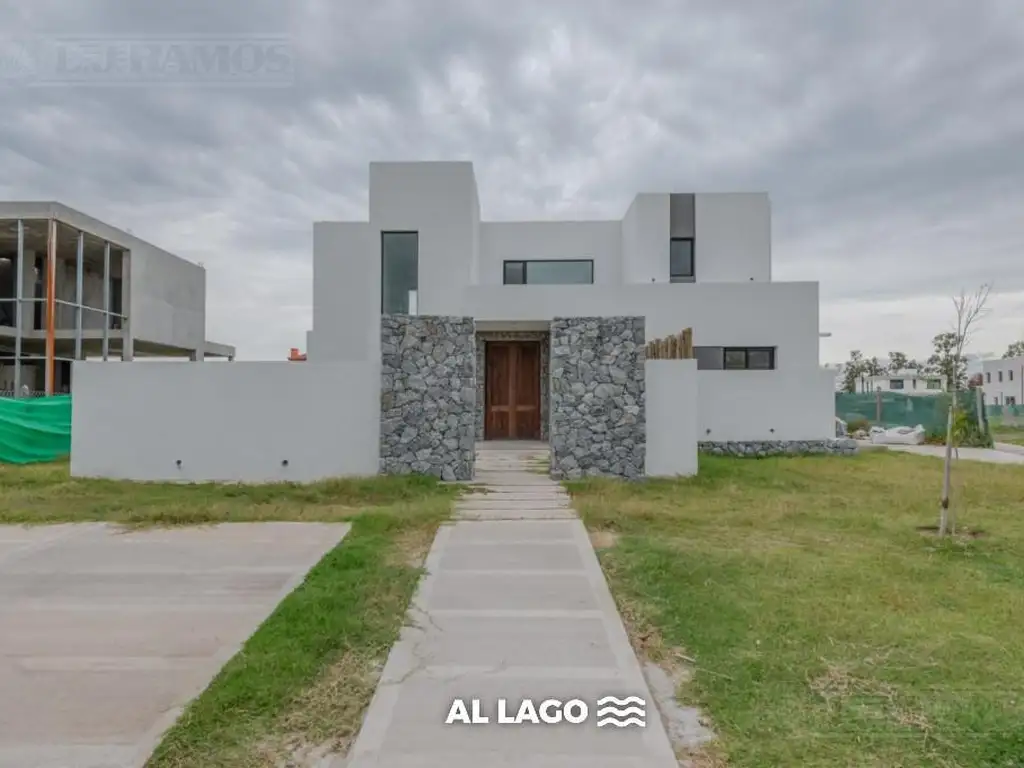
x: 969, y: 310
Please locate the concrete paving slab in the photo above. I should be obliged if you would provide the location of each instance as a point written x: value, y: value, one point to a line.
x: 988, y: 455
x: 511, y: 478
x: 107, y: 634
x: 517, y: 514
x: 484, y: 504
x: 502, y: 531
x: 511, y: 556
x: 510, y: 610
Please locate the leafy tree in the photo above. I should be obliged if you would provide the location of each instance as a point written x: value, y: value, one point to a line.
x: 874, y: 367
x: 853, y: 370
x: 975, y: 381
x: 900, y: 362
x: 1014, y: 350
x: 947, y: 359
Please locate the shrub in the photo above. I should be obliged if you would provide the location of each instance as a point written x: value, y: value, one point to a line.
x: 855, y: 425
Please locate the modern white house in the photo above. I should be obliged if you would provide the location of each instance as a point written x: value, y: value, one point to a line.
x: 1003, y: 381
x: 73, y: 287
x: 906, y: 382
x: 434, y: 328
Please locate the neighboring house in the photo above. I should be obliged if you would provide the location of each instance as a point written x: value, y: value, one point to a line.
x: 294, y: 356
x: 702, y: 261
x: 1003, y: 381
x: 115, y: 296
x: 908, y: 382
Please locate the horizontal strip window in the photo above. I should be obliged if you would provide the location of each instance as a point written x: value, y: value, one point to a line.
x: 735, y: 358
x: 549, y: 272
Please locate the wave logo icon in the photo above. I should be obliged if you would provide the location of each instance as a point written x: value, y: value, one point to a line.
x: 621, y: 713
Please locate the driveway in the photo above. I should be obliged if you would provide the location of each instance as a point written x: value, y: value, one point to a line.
x: 107, y: 634
x: 989, y: 455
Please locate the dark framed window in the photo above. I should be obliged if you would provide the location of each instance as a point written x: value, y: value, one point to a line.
x: 549, y: 272
x: 399, y: 272
x: 1009, y: 375
x: 735, y: 358
x: 896, y: 384
x: 933, y: 384
x: 709, y: 358
x: 1000, y: 376
x: 988, y: 377
x: 680, y: 260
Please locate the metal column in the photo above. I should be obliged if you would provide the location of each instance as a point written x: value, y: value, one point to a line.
x: 20, y: 299
x: 106, y: 300
x: 51, y: 305
x: 127, y: 340
x: 79, y: 279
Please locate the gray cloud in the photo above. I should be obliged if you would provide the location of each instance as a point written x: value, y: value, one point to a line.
x: 889, y: 138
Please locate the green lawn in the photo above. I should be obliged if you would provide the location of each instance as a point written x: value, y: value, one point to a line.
x: 1013, y: 435
x: 302, y: 681
x: 46, y: 493
x: 826, y: 629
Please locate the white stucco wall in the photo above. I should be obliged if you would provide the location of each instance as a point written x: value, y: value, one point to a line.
x: 599, y: 241
x: 672, y: 421
x: 346, y: 293
x: 765, y: 405
x: 733, y: 238
x: 437, y: 200
x: 997, y: 391
x: 234, y: 422
x: 781, y: 315
x: 645, y: 240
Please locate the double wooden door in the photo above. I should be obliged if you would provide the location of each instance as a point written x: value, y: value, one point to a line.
x: 512, y: 390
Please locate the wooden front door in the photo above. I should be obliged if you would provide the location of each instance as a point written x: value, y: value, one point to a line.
x: 512, y: 391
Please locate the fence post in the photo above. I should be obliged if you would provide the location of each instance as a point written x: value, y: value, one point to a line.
x: 980, y: 404
x: 878, y: 407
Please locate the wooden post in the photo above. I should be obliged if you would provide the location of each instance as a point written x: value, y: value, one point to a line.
x: 878, y: 406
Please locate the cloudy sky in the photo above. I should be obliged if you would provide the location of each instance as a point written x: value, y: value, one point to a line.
x: 890, y: 136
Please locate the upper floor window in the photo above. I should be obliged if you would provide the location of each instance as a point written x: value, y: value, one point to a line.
x: 1009, y: 375
x: 934, y: 384
x: 988, y: 377
x: 400, y: 256
x: 895, y: 383
x: 735, y: 358
x: 554, y: 272
x: 680, y: 260
x: 1000, y: 376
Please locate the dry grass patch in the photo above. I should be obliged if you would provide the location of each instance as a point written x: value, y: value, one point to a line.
x: 603, y: 539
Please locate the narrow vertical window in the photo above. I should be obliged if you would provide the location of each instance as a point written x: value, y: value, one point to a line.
x: 399, y: 252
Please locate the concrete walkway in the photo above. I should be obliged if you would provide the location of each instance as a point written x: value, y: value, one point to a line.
x: 105, y: 634
x: 514, y: 606
x: 997, y: 455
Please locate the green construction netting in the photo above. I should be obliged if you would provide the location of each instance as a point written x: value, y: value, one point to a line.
x: 897, y: 410
x: 1010, y: 415
x: 34, y: 429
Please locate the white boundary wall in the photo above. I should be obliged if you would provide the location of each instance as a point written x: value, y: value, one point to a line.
x: 236, y: 422
x: 766, y: 405
x: 671, y: 413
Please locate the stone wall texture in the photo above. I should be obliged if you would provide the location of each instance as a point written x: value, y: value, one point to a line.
x: 761, y: 449
x: 428, y: 396
x: 597, y: 419
x: 482, y: 337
